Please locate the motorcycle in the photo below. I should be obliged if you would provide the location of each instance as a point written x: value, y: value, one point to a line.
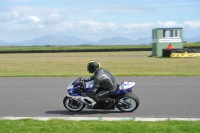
x: 77, y: 99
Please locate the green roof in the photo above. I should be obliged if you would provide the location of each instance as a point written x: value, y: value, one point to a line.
x: 167, y: 28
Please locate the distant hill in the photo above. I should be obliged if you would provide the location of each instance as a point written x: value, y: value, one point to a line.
x: 192, y: 39
x: 73, y: 40
x: 144, y: 40
x: 54, y: 40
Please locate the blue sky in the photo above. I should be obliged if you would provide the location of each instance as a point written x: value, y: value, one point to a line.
x: 95, y: 19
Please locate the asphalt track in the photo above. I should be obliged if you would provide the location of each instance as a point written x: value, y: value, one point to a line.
x: 159, y: 97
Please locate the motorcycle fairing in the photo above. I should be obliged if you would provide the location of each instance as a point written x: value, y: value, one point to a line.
x: 89, y: 102
x: 125, y: 87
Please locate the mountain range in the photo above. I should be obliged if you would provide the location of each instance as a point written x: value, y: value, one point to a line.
x: 73, y: 40
x: 192, y: 39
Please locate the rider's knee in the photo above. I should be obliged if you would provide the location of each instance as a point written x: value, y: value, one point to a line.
x: 96, y: 98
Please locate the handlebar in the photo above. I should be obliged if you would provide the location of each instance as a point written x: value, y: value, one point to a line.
x: 82, y: 83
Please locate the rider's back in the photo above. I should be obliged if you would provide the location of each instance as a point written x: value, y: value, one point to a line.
x: 105, y: 79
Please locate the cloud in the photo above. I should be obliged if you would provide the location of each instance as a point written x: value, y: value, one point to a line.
x: 30, y: 18
x: 95, y: 26
x: 145, y: 27
x: 86, y: 28
x: 175, y: 4
x: 34, y: 19
x: 137, y: 25
x: 60, y: 28
x: 117, y: 9
x: 166, y: 24
x: 192, y: 24
x: 8, y: 15
x: 54, y: 18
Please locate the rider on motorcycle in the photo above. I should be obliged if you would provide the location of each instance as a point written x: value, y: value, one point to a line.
x: 103, y: 80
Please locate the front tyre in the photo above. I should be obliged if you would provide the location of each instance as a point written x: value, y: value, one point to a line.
x: 72, y: 105
x: 128, y: 102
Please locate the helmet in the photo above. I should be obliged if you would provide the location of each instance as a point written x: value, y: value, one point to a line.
x: 93, y: 65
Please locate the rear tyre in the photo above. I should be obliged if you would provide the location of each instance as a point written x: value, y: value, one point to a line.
x: 129, y: 102
x: 72, y: 105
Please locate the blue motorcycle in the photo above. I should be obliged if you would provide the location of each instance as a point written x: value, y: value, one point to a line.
x: 77, y: 99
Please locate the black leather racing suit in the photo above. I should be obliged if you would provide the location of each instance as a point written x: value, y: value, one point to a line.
x: 106, y: 82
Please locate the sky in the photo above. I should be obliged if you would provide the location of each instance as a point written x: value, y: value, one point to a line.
x: 94, y: 20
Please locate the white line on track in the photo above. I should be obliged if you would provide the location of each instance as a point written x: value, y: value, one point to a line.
x: 100, y: 118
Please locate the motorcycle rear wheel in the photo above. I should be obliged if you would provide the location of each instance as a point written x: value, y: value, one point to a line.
x: 130, y: 100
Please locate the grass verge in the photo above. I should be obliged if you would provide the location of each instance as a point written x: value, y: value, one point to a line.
x: 78, y: 47
x: 61, y: 126
x: 74, y: 64
x: 83, y: 47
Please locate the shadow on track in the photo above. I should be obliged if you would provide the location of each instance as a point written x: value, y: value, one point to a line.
x: 84, y: 112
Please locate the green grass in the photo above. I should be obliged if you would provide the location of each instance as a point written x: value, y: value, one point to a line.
x: 74, y: 64
x: 79, y: 47
x: 196, y: 44
x: 60, y: 126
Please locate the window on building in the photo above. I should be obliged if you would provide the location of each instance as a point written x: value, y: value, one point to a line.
x: 176, y: 33
x: 166, y: 33
x: 170, y: 33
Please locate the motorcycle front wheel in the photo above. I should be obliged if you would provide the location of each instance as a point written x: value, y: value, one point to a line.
x: 72, y: 105
x: 128, y: 102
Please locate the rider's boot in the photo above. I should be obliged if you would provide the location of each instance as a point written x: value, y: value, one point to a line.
x: 109, y: 103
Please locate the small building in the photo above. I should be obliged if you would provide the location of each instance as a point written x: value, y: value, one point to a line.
x: 162, y: 37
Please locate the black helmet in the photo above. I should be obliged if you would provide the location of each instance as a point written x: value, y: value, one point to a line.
x: 93, y: 65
